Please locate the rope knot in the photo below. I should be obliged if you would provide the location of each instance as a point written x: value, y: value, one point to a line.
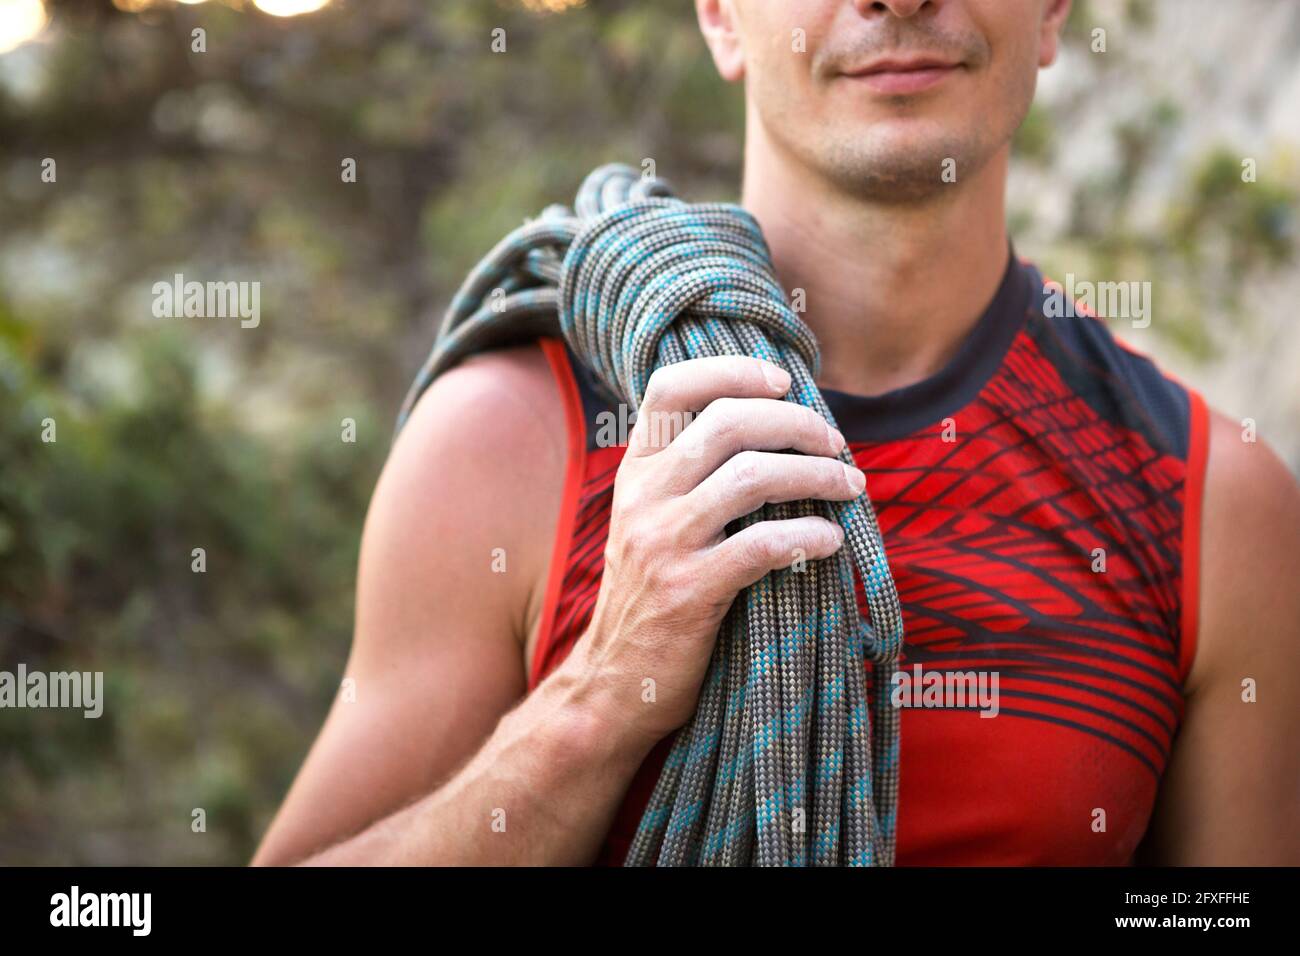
x: 649, y: 279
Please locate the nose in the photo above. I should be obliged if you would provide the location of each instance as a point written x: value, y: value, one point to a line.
x: 899, y: 8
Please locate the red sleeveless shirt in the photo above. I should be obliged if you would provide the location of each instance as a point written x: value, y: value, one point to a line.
x: 1039, y: 499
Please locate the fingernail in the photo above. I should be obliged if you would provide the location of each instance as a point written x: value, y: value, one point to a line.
x: 857, y: 480
x: 836, y: 439
x: 778, y: 379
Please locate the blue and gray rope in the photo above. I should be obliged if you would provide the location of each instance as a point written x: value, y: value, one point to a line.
x: 784, y: 762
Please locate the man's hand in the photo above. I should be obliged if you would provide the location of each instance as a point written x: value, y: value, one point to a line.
x: 671, y: 572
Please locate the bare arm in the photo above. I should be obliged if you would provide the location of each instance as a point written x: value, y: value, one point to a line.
x: 423, y: 767
x: 542, y: 789
x: 437, y: 656
x: 1231, y: 793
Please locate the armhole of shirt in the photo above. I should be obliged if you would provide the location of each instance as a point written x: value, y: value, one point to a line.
x: 1197, y: 456
x: 575, y: 424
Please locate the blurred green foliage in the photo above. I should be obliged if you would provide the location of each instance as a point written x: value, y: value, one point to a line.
x: 214, y: 679
x: 174, y: 434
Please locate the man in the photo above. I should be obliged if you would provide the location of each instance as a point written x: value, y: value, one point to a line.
x: 1057, y: 514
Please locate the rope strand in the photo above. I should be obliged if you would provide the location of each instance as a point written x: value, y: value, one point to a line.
x: 787, y: 760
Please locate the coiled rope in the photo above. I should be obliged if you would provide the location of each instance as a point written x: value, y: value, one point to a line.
x: 783, y: 762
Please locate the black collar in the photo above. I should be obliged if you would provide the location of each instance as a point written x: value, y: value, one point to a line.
x: 904, y: 411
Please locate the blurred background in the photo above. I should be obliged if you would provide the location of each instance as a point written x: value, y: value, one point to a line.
x: 226, y: 164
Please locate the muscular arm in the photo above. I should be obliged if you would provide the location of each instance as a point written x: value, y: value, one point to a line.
x: 422, y: 767
x: 413, y: 769
x: 1231, y: 793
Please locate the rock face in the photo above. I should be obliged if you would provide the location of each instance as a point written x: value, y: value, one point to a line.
x: 1164, y: 148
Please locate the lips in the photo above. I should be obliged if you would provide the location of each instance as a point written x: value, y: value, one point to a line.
x: 899, y: 76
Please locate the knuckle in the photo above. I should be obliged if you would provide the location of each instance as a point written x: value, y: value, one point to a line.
x: 761, y: 548
x: 637, y: 536
x: 629, y: 496
x: 795, y: 544
x: 747, y: 471
x: 725, y: 406
x: 740, y: 375
x: 828, y: 537
x: 627, y: 509
x: 678, y: 524
x: 669, y: 580
x: 658, y: 387
x: 830, y: 475
x: 674, y: 581
x: 724, y: 417
x: 814, y: 425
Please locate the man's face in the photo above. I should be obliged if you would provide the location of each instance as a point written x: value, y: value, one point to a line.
x: 877, y: 96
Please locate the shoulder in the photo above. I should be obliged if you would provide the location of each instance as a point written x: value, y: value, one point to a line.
x: 497, y: 403
x: 466, y: 506
x: 1121, y: 384
x: 1250, y: 541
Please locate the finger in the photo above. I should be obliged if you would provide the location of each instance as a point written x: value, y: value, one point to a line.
x: 732, y: 425
x: 677, y: 392
x: 752, y: 479
x: 764, y: 546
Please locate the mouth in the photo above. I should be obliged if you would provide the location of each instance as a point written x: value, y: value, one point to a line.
x: 898, y: 76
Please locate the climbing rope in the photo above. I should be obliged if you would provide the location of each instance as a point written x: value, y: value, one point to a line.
x: 783, y: 762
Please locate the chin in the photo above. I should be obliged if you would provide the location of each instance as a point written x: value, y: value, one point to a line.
x: 904, y: 136
x: 904, y: 161
x: 903, y: 181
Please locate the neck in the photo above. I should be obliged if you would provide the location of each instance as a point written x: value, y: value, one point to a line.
x: 891, y: 290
